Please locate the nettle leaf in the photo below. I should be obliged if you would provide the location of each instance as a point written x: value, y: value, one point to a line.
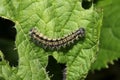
x: 102, y: 3
x: 110, y: 38
x: 53, y: 18
x: 7, y: 72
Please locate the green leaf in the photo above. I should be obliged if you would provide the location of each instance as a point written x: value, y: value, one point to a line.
x: 110, y: 38
x: 53, y: 18
x: 6, y: 72
x: 102, y: 3
x: 1, y: 56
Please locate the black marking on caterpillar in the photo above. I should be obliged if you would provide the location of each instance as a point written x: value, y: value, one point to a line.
x: 55, y: 44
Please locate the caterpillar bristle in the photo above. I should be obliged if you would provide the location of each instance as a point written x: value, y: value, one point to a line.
x: 58, y: 43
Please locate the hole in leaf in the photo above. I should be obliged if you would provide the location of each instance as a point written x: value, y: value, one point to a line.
x: 7, y: 41
x: 86, y: 4
x: 7, y: 30
x: 0, y: 58
x: 56, y: 70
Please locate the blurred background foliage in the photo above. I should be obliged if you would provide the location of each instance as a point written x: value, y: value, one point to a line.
x: 107, y: 65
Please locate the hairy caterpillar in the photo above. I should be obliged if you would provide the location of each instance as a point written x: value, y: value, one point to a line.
x: 57, y: 43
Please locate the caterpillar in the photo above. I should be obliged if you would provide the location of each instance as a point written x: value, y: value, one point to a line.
x: 55, y: 44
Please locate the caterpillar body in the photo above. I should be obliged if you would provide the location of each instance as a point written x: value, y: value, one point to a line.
x: 55, y: 44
